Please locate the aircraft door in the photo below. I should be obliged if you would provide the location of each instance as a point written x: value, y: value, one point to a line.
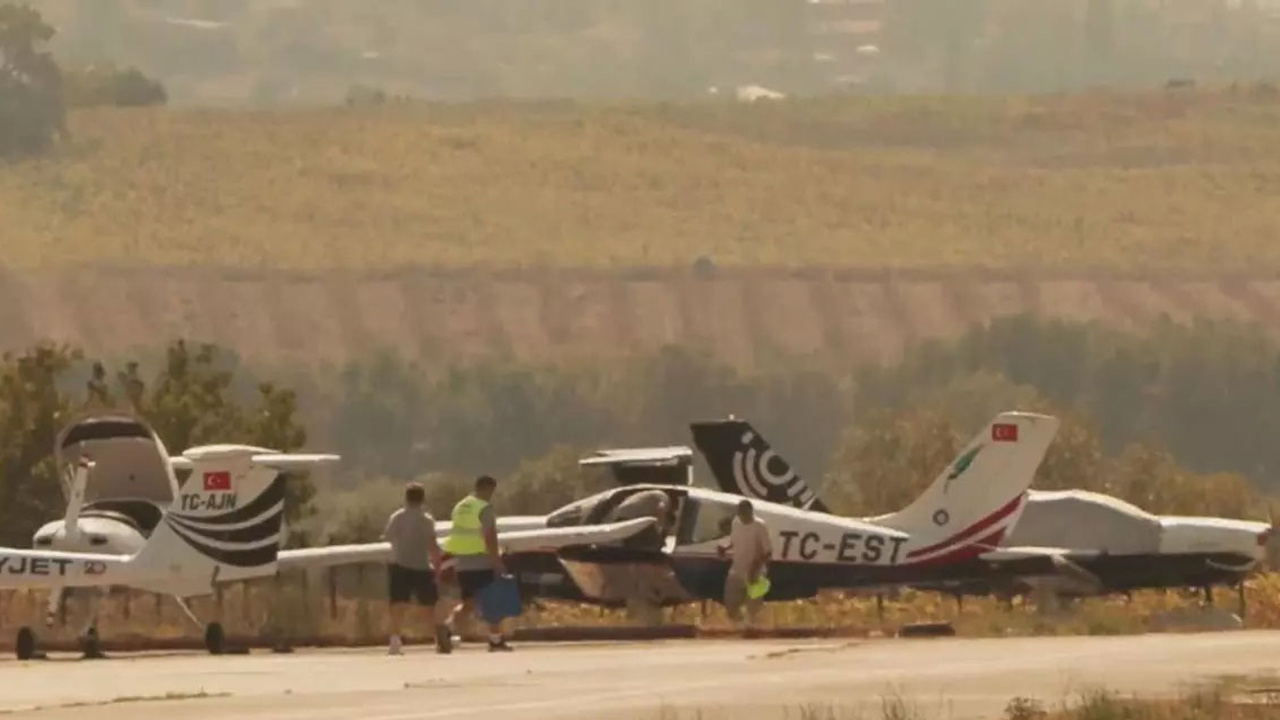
x: 705, y: 524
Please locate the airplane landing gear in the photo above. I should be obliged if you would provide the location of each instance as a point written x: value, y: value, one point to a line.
x: 89, y: 640
x: 92, y: 648
x: 25, y: 644
x: 214, y: 638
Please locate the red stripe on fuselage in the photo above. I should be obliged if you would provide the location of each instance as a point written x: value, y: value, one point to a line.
x: 965, y: 552
x: 973, y: 529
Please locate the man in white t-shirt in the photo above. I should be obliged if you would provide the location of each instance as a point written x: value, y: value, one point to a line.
x: 751, y: 551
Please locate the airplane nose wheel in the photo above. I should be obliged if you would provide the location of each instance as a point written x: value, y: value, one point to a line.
x: 215, y: 639
x: 25, y: 644
x: 92, y: 647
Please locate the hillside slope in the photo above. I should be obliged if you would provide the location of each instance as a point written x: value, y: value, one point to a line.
x: 750, y: 318
x: 1167, y: 181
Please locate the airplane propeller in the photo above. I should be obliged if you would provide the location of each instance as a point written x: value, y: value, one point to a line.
x: 77, y: 479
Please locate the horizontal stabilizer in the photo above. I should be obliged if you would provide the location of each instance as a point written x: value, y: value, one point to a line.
x: 286, y: 461
x: 276, y: 461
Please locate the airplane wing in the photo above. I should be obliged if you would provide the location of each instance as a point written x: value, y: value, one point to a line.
x: 511, y: 542
x: 278, y: 461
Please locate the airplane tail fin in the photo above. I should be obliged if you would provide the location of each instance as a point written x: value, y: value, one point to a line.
x: 226, y: 522
x: 743, y: 463
x: 977, y: 499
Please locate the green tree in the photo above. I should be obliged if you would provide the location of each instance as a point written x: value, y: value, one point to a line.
x: 381, y: 419
x: 32, y: 411
x: 1076, y: 459
x: 543, y: 484
x: 193, y: 401
x: 885, y: 461
x: 32, y: 113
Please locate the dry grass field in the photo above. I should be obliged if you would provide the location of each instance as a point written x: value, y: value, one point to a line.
x: 1163, y: 181
x: 845, y: 229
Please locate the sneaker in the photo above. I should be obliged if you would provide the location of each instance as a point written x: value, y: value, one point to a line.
x: 444, y: 640
x: 499, y: 646
x: 394, y: 647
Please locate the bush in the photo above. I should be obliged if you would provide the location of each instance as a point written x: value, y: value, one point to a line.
x: 32, y: 113
x: 107, y: 85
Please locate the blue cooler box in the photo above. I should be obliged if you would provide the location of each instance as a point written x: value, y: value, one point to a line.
x: 499, y: 600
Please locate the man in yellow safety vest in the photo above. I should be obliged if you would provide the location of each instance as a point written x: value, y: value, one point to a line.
x: 473, y: 543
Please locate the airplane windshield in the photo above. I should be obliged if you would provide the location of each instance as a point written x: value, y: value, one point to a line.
x: 704, y: 521
x: 575, y: 514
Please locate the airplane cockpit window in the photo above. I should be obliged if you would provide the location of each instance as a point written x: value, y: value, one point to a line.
x: 129, y: 461
x: 142, y: 515
x: 705, y: 520
x: 575, y: 514
x: 660, y: 504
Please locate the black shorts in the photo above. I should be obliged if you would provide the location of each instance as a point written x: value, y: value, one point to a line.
x: 471, y: 582
x: 405, y: 584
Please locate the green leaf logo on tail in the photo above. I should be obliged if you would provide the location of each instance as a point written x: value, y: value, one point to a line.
x: 961, y: 465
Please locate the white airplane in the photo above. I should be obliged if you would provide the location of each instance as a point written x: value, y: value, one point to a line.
x: 1072, y: 543
x: 224, y: 526
x: 946, y: 534
x: 115, y: 505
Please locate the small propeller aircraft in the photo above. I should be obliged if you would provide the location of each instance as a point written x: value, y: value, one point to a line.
x: 1072, y: 543
x: 116, y: 503
x: 946, y: 534
x: 654, y: 544
x: 224, y: 525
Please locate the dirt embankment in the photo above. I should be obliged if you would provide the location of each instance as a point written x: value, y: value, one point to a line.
x: 746, y: 317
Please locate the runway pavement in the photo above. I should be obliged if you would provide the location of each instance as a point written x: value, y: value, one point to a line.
x: 952, y: 678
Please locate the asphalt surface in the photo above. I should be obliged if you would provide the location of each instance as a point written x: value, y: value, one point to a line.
x: 943, y: 678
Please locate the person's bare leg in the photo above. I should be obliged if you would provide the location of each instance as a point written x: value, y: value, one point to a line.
x: 397, y: 627
x: 397, y: 618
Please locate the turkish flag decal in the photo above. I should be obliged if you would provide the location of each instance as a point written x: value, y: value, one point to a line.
x: 217, y: 482
x: 1004, y: 432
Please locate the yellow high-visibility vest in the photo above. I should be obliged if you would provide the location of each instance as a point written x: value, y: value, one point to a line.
x: 465, y: 537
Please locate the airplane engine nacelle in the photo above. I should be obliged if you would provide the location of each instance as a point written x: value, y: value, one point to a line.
x: 93, y: 535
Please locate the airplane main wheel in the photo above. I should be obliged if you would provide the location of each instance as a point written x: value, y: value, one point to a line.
x: 215, y: 639
x: 25, y: 644
x: 92, y: 647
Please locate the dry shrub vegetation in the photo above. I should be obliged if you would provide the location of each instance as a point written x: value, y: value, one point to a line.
x: 1148, y: 181
x: 296, y: 612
